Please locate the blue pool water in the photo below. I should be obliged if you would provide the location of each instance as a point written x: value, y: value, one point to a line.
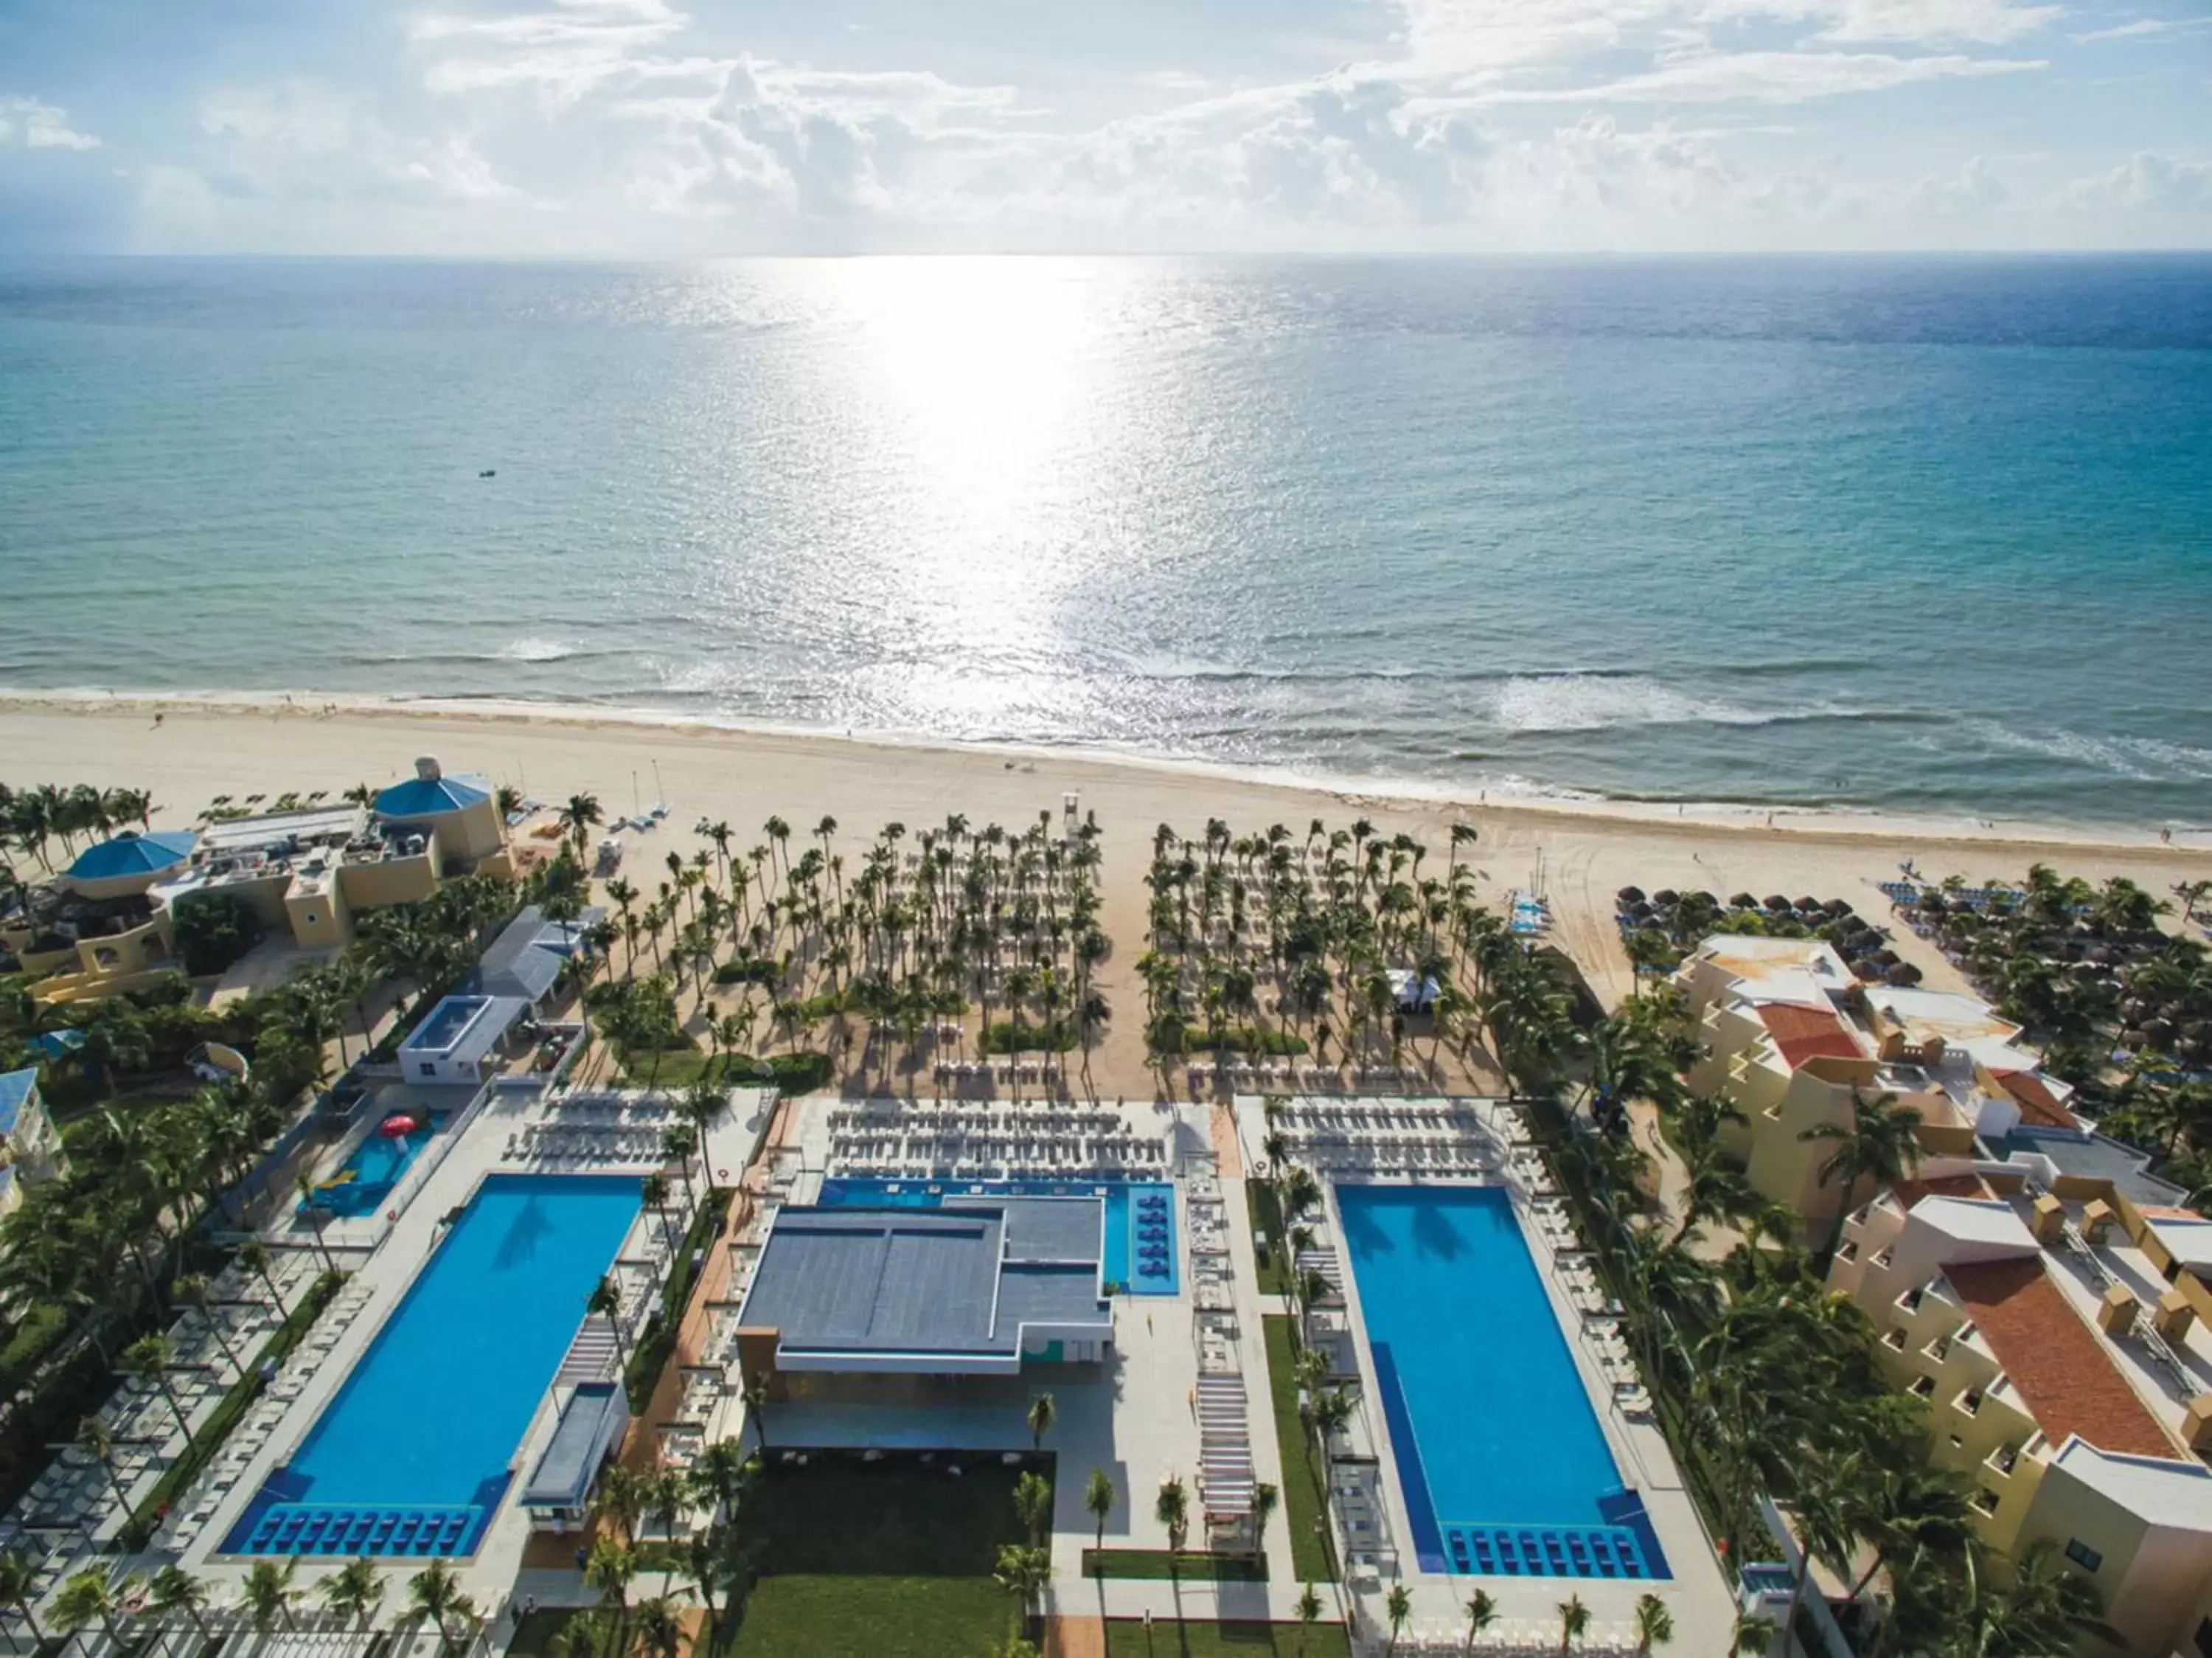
x: 412, y: 1455
x: 1503, y: 1466
x: 1140, y: 1245
x: 368, y: 1175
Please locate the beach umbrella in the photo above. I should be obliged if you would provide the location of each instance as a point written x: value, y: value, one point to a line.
x: 1777, y: 903
x: 1629, y: 895
x: 398, y: 1126
x: 1810, y: 906
x: 1665, y: 895
x: 1838, y: 907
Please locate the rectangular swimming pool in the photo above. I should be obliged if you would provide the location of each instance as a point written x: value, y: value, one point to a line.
x: 1138, y: 1249
x: 1504, y: 1469
x: 410, y: 1456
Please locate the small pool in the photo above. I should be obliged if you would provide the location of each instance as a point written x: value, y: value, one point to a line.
x: 412, y: 1454
x: 1140, y: 1252
x: 371, y: 1170
x: 1504, y: 1469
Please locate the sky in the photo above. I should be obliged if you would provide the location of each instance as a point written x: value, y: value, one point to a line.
x: 693, y: 128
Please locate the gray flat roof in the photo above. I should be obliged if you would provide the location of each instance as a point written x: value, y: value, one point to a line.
x: 2094, y: 1158
x: 563, y: 1476
x: 526, y: 959
x: 962, y: 1279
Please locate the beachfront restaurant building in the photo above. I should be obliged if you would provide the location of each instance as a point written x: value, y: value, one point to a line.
x: 978, y: 1288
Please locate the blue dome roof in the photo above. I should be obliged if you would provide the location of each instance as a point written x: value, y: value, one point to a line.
x: 131, y: 854
x: 426, y: 797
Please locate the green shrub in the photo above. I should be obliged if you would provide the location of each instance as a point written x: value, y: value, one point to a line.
x: 742, y: 971
x: 799, y: 1073
x: 1019, y: 1036
x: 213, y: 930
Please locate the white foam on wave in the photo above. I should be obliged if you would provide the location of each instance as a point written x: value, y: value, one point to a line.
x: 530, y: 648
x: 2139, y: 759
x: 1576, y: 702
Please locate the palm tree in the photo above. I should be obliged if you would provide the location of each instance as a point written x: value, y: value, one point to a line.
x: 1043, y: 1413
x: 93, y: 1436
x: 253, y: 1257
x: 754, y: 1390
x: 578, y: 816
x: 435, y: 1593
x: 19, y: 1579
x: 318, y: 1218
x: 720, y: 1474
x: 1398, y: 1606
x: 653, y: 1194
x: 605, y: 1300
x: 191, y: 1289
x: 1481, y: 1614
x: 1879, y: 1143
x: 1171, y: 1508
x: 1655, y: 1625
x: 147, y: 1359
x: 1308, y: 1614
x: 1265, y: 1498
x: 1098, y: 1502
x: 1033, y: 1504
x: 1750, y: 1635
x: 174, y: 1589
x: 270, y: 1594
x: 1574, y: 1623
x: 1023, y: 1572
x: 658, y: 1626
x: 90, y: 1597
x: 354, y: 1591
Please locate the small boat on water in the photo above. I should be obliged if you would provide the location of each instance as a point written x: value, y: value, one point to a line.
x: 489, y: 472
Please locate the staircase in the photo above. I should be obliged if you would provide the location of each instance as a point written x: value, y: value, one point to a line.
x: 1226, y: 1475
x: 594, y: 1355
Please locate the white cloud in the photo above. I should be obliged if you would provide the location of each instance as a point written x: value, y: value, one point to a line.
x: 37, y: 125
x: 565, y: 53
x: 2146, y: 180
x: 302, y: 139
x: 1975, y: 188
x: 2139, y: 28
x: 1769, y: 77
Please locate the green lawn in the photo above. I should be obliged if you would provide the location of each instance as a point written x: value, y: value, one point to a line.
x: 838, y: 1617
x: 896, y: 1518
x: 1305, y: 1479
x: 1260, y: 1204
x: 1192, y: 1565
x: 1129, y: 1638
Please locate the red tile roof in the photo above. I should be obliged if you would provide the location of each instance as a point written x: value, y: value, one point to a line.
x: 2037, y: 1104
x: 1802, y: 1033
x: 2070, y: 1381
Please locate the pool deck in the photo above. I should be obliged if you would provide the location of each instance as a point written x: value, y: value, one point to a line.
x: 1696, y: 1592
x: 384, y: 1266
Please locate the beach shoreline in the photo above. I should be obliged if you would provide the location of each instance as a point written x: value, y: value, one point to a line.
x: 1828, y: 822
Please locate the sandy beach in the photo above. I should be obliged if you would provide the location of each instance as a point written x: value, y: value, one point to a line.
x: 1576, y: 854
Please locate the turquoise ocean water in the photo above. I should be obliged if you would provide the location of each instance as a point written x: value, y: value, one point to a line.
x: 1919, y: 536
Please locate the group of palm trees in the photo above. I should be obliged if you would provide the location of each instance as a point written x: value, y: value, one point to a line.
x: 897, y: 941
x: 31, y: 819
x: 1267, y: 943
x: 127, y: 1606
x: 2091, y: 974
x: 718, y: 1560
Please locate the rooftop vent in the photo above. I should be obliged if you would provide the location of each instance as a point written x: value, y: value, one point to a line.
x: 426, y: 767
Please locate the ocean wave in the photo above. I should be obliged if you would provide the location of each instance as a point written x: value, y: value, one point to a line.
x: 2139, y: 759
x: 1584, y: 702
x: 532, y: 648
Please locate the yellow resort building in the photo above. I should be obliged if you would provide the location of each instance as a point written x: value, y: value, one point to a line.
x: 2054, y: 1328
x: 105, y: 926
x: 1791, y: 1039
